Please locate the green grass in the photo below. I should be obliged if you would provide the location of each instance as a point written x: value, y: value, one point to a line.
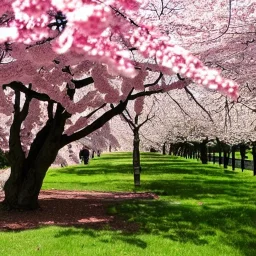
x: 201, y: 210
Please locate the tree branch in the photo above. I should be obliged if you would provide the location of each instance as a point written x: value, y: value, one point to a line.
x: 50, y: 110
x: 155, y: 83
x: 130, y: 123
x: 18, y: 86
x: 82, y: 83
x: 147, y: 93
x: 146, y: 120
x: 182, y: 110
x: 24, y: 111
x: 99, y: 122
x: 94, y: 111
x: 195, y: 100
x: 136, y: 119
x: 180, y: 78
x: 127, y: 112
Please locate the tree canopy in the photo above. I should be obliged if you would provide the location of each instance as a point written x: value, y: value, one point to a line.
x: 69, y: 66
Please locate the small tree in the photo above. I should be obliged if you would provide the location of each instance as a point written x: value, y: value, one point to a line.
x: 135, y: 127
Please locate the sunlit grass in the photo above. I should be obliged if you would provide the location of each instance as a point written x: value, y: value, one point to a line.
x: 56, y: 241
x: 201, y: 210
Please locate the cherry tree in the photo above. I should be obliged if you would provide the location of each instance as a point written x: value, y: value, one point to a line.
x: 134, y: 119
x: 68, y: 67
x: 222, y: 34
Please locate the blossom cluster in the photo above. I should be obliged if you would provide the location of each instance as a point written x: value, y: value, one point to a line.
x: 89, y: 31
x: 181, y: 61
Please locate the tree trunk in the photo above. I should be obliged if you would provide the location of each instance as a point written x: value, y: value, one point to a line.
x: 226, y: 158
x: 194, y: 154
x: 233, y: 158
x: 242, y: 153
x: 27, y: 173
x: 164, y: 149
x: 197, y: 154
x: 203, y: 152
x: 254, y: 158
x: 170, y: 149
x: 191, y: 153
x: 26, y: 179
x: 136, y: 157
x: 213, y: 157
x: 220, y: 157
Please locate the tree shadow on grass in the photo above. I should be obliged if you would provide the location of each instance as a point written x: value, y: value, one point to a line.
x: 91, y: 170
x: 232, y: 226
x: 114, y: 237
x: 200, y: 189
x: 148, y: 168
x: 72, y: 208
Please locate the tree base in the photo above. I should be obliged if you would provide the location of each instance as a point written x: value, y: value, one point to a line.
x: 136, y: 179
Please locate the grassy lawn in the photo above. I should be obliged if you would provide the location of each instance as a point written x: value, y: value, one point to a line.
x: 202, y: 210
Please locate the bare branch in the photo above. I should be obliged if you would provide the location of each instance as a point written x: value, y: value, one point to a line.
x: 130, y: 123
x: 18, y: 86
x: 154, y: 83
x: 195, y: 100
x: 146, y: 120
x: 94, y: 111
x: 24, y: 111
x: 228, y: 25
x: 50, y: 110
x: 180, y: 78
x: 82, y: 83
x: 127, y: 112
x: 147, y: 93
x: 182, y: 110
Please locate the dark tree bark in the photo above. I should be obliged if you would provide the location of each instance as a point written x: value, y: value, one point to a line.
x: 213, y: 157
x: 203, y: 151
x: 233, y: 157
x: 254, y: 158
x: 242, y: 153
x: 220, y: 157
x: 136, y: 157
x: 27, y: 173
x: 164, y: 148
x: 170, y: 149
x: 226, y: 158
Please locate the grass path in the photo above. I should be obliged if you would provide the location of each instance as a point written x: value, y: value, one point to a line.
x: 202, y: 210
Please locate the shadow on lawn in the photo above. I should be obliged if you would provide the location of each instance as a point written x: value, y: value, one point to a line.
x: 72, y: 208
x: 162, y: 165
x: 229, y: 217
x: 200, y: 189
x: 115, y: 237
x: 198, y: 224
x: 233, y: 226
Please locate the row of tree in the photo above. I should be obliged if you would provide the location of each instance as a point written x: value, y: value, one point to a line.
x: 214, y: 151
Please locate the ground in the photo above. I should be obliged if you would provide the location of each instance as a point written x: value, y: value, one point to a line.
x: 72, y: 208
